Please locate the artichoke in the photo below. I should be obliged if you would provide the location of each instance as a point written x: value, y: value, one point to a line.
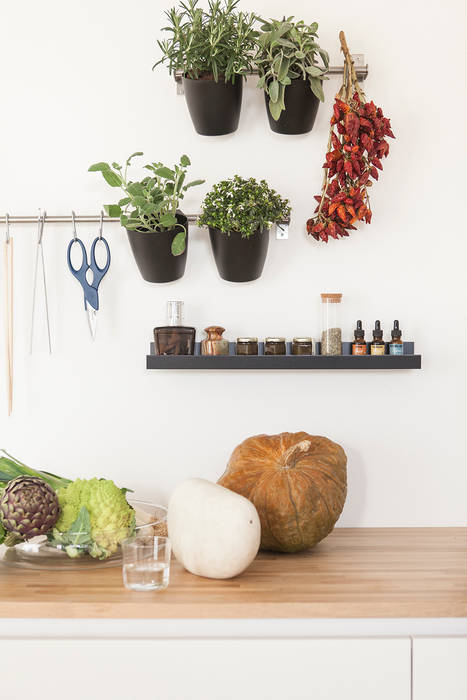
x: 28, y: 507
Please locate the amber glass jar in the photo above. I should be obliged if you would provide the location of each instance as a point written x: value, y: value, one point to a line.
x: 247, y: 346
x: 302, y: 346
x: 274, y: 346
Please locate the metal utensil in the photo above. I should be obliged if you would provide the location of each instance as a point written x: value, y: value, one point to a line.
x: 40, y: 259
x: 91, y: 297
x: 8, y: 289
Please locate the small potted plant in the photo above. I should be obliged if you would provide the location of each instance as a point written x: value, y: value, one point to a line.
x: 157, y: 230
x: 239, y: 214
x: 213, y: 49
x: 289, y: 73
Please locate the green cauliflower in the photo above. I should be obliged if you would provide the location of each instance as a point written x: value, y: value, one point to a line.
x: 95, y: 517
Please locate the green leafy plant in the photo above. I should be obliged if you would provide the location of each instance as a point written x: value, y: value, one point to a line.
x: 288, y: 50
x: 243, y: 205
x: 217, y: 43
x: 151, y: 204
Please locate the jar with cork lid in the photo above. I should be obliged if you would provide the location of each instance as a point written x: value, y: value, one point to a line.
x: 331, y: 331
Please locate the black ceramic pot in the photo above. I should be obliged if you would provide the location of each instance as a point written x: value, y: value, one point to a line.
x: 153, y: 254
x: 239, y: 259
x: 214, y: 107
x: 301, y: 106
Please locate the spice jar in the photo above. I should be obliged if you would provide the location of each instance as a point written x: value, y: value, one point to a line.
x: 331, y: 332
x: 274, y: 346
x: 247, y: 346
x: 302, y: 346
x: 214, y: 344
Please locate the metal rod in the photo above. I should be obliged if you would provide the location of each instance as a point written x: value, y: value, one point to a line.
x: 361, y: 71
x: 82, y: 219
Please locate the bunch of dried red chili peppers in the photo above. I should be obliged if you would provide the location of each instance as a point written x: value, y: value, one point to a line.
x: 353, y: 158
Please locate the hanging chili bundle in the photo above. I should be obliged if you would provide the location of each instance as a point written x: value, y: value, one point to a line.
x: 357, y: 143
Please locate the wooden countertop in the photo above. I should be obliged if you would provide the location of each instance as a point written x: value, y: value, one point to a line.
x: 354, y: 573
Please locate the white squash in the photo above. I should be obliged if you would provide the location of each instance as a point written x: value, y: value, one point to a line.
x: 214, y: 532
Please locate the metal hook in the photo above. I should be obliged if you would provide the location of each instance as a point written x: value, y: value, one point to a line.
x: 75, y: 235
x: 7, y: 222
x: 40, y: 226
x: 101, y: 224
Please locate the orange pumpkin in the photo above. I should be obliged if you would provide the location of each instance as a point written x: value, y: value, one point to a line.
x: 297, y: 482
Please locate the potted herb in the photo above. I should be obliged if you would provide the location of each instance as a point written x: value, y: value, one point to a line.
x: 157, y: 230
x: 239, y: 214
x: 213, y: 49
x: 289, y: 73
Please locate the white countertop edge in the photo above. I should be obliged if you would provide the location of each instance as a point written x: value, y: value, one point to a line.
x: 229, y: 629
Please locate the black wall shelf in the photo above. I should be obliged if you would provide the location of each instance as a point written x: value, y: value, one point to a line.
x: 304, y: 362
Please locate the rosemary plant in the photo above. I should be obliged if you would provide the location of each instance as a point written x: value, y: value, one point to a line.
x: 215, y: 44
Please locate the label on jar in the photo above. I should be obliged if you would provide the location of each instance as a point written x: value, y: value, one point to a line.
x: 358, y: 349
x: 378, y: 349
x: 396, y: 349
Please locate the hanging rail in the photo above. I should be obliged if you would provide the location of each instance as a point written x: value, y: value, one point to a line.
x: 361, y: 69
x: 80, y: 219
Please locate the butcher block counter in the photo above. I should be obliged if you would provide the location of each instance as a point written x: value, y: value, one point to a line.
x: 354, y: 573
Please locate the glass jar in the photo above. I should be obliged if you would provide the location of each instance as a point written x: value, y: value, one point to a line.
x: 247, y: 346
x: 214, y: 343
x: 302, y: 346
x: 331, y: 332
x: 274, y: 346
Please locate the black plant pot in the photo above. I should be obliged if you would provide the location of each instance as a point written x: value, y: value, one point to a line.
x: 301, y: 106
x: 214, y: 107
x: 153, y: 254
x: 239, y: 259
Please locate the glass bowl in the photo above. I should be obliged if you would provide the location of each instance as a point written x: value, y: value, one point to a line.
x: 39, y: 553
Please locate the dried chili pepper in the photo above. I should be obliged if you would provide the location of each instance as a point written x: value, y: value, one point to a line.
x: 357, y: 143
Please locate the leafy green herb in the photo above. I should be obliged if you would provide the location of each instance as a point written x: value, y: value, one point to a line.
x: 151, y: 204
x: 217, y: 43
x: 288, y: 50
x: 243, y: 205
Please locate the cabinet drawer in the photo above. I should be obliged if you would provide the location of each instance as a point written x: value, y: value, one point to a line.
x: 240, y: 669
x: 440, y: 668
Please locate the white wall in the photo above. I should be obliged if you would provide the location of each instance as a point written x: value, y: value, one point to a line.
x: 77, y: 87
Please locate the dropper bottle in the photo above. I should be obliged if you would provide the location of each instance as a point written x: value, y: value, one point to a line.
x: 396, y: 346
x: 359, y: 344
x: 377, y: 346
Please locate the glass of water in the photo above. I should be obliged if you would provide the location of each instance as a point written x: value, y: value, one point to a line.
x: 146, y: 563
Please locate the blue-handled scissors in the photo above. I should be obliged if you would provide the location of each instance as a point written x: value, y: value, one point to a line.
x: 91, y: 296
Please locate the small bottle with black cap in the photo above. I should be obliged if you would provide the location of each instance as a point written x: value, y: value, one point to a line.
x: 396, y: 346
x: 377, y: 345
x: 359, y: 344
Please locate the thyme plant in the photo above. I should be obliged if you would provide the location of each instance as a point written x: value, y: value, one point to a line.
x: 243, y: 205
x: 217, y: 43
x: 151, y: 204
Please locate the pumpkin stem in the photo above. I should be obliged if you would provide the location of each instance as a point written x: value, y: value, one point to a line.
x: 291, y: 455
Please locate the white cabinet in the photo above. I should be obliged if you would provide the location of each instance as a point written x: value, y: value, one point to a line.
x: 440, y: 668
x: 206, y: 669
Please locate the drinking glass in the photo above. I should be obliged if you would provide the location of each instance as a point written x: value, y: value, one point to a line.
x: 146, y: 563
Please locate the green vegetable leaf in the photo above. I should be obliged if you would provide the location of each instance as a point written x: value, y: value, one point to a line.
x: 317, y: 87
x: 314, y: 71
x: 2, y: 533
x: 185, y: 161
x: 80, y: 531
x: 179, y: 243
x: 164, y: 172
x: 274, y: 90
x: 139, y: 201
x: 112, y: 209
x: 194, y: 183
x: 113, y: 179
x: 123, y: 202
x: 133, y: 155
x: 168, y: 220
x: 275, y: 108
x: 99, y: 166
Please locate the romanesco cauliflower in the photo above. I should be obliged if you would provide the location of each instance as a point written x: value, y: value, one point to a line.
x: 111, y: 518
